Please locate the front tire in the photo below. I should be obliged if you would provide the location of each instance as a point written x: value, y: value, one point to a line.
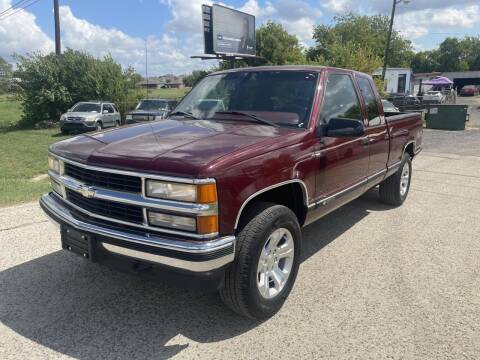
x: 394, y: 189
x: 98, y: 126
x: 266, y: 264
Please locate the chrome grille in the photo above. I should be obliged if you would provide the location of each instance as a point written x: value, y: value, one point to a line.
x: 116, y: 210
x: 104, y: 179
x: 75, y: 118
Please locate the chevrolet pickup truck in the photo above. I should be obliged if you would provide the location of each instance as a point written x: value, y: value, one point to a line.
x: 217, y: 193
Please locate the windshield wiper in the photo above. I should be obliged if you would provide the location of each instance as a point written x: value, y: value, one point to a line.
x: 251, y: 116
x: 184, y: 114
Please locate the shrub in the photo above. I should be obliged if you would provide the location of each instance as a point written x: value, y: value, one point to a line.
x: 51, y: 84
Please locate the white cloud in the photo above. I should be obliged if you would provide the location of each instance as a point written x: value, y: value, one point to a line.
x: 302, y: 28
x: 186, y: 15
x: 165, y: 53
x: 19, y: 33
x: 419, y: 23
x: 338, y: 6
x: 416, y: 5
x: 252, y: 7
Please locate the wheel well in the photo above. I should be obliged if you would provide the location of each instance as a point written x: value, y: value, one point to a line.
x: 289, y: 195
x: 410, y: 149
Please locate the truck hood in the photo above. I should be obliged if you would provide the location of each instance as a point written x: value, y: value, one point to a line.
x: 170, y: 147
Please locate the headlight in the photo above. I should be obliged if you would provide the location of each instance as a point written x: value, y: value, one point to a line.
x: 55, y: 165
x: 62, y: 118
x: 90, y: 119
x: 205, y: 193
x: 172, y: 221
x: 56, y: 187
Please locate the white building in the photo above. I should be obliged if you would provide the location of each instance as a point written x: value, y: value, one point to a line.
x: 397, y: 80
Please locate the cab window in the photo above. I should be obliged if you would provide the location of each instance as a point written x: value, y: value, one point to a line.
x: 370, y: 101
x: 340, y: 99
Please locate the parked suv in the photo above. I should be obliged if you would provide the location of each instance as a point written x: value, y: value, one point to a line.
x: 150, y: 109
x: 90, y: 115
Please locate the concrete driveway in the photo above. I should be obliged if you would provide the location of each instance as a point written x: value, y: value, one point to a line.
x: 376, y: 282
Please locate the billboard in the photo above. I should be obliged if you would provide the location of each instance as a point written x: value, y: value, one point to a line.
x: 228, y: 31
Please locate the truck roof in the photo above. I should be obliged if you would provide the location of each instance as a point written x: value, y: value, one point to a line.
x: 315, y: 68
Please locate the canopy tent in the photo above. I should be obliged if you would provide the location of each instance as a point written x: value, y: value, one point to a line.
x: 438, y: 81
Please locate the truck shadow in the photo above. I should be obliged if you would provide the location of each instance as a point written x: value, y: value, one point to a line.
x: 88, y: 311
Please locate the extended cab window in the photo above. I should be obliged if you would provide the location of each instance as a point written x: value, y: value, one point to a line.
x: 340, y: 99
x: 370, y: 101
x: 282, y: 97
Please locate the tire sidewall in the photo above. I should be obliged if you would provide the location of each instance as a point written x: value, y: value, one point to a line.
x: 266, y: 307
x: 406, y: 160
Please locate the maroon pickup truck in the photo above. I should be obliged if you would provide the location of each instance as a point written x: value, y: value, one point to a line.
x: 218, y: 192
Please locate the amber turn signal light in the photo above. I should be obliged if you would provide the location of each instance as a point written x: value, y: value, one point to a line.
x: 207, y: 224
x: 206, y: 193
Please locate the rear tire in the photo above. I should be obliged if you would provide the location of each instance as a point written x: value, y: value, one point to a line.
x: 117, y: 123
x: 267, y: 228
x: 394, y: 189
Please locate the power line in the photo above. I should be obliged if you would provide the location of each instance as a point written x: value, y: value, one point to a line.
x: 13, y: 6
x: 19, y: 9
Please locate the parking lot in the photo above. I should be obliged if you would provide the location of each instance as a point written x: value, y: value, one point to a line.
x: 375, y: 282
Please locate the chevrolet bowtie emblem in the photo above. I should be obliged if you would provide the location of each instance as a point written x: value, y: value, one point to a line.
x: 87, y: 191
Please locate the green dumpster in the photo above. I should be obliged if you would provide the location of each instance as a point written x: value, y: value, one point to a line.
x: 447, y: 117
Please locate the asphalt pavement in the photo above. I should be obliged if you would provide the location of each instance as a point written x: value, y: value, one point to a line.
x: 376, y: 282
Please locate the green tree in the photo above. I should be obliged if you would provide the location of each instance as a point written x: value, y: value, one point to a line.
x: 275, y: 46
x: 425, y: 61
x: 5, y: 76
x: 194, y: 77
x: 51, y: 84
x: 350, y: 56
x: 367, y: 32
x: 452, y: 55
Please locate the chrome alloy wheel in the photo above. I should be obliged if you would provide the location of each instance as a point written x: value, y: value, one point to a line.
x: 404, y: 179
x: 275, y: 263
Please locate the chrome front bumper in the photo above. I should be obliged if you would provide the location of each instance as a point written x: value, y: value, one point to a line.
x: 194, y: 256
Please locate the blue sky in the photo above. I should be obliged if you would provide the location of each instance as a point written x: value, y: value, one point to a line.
x: 173, y: 27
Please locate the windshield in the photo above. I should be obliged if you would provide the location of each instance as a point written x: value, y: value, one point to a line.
x: 152, y: 105
x: 282, y: 97
x: 86, y: 107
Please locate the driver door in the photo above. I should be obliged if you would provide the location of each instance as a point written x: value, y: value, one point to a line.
x: 342, y: 160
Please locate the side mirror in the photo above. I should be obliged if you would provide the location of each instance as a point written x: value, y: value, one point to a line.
x: 105, y: 112
x: 344, y: 128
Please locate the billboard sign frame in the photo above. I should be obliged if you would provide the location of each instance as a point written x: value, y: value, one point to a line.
x: 209, y: 31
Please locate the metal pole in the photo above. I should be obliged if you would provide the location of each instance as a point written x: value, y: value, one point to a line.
x: 58, y: 46
x: 389, y: 39
x: 146, y: 64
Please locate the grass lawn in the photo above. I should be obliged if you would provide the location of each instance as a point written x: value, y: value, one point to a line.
x: 10, y: 111
x: 23, y: 156
x: 162, y: 93
x: 23, y: 159
x: 23, y: 152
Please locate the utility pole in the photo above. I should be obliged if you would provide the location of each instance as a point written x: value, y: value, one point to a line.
x: 146, y: 64
x: 389, y: 37
x: 58, y: 46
